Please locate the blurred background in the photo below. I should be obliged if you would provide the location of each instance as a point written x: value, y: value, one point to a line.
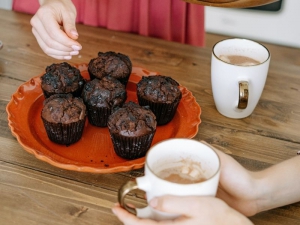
x: 276, y: 23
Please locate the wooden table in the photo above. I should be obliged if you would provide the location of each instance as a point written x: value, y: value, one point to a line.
x: 35, y: 192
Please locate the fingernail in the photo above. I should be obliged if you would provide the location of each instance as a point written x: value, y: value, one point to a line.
x: 113, y: 210
x: 153, y: 202
x: 74, y: 53
x: 74, y: 32
x: 76, y: 47
x: 68, y: 57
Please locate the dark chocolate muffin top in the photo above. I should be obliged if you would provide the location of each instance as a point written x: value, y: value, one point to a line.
x: 61, y: 78
x: 132, y: 120
x: 110, y: 63
x: 63, y: 108
x: 159, y: 89
x: 107, y: 92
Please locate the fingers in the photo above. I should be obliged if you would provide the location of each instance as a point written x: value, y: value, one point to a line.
x: 228, y: 164
x: 188, y: 206
x: 52, y: 51
x: 69, y: 26
x: 193, y: 210
x: 237, y: 185
x: 130, y: 219
x: 54, y: 41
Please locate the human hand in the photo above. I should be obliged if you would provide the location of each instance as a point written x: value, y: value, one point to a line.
x: 194, y: 210
x: 238, y: 187
x: 54, y: 28
x: 253, y: 192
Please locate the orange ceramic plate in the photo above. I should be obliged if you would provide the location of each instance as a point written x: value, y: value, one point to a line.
x: 94, y: 151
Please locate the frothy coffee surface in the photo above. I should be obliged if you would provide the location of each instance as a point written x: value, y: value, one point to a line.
x: 187, y: 174
x: 239, y: 60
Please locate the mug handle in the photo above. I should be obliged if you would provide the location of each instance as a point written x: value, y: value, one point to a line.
x: 123, y: 191
x: 145, y: 212
x: 243, y: 94
x: 143, y: 184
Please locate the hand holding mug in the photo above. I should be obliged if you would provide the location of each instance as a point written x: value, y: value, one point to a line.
x: 180, y: 167
x: 200, y: 210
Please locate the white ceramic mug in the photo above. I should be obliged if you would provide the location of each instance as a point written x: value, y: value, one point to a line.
x: 167, y: 154
x: 237, y: 88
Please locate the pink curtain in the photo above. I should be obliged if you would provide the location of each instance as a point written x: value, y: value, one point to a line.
x: 173, y: 20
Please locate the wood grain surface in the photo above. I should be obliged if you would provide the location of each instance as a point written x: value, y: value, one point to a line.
x: 34, y: 192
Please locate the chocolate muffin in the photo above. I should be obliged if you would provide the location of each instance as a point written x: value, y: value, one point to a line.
x: 132, y: 128
x: 62, y: 78
x: 161, y: 94
x: 100, y: 97
x: 112, y: 64
x: 64, y: 117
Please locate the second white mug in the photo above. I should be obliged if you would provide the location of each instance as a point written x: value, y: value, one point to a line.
x: 239, y: 69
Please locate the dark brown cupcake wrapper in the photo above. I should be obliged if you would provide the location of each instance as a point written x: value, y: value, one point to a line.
x: 131, y: 147
x: 64, y: 134
x: 164, y: 112
x: 98, y: 116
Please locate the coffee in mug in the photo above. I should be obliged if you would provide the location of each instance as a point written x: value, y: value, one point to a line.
x: 188, y: 173
x: 239, y: 60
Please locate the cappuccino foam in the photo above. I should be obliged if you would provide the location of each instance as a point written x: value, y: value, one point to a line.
x: 186, y: 174
x: 239, y: 60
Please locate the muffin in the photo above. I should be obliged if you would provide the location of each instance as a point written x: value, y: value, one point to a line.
x: 132, y: 128
x: 161, y: 94
x: 64, y: 117
x: 112, y: 64
x: 62, y: 78
x: 100, y: 97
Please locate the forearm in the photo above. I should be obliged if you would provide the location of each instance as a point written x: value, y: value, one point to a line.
x: 279, y: 185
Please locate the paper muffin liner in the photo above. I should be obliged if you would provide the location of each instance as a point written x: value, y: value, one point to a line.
x: 98, y: 116
x: 164, y: 112
x: 131, y: 147
x: 64, y: 134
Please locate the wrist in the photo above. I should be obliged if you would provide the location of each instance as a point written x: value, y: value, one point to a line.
x: 251, y: 200
x: 278, y: 185
x: 263, y: 194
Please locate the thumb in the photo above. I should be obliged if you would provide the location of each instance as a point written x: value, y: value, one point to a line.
x: 69, y: 25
